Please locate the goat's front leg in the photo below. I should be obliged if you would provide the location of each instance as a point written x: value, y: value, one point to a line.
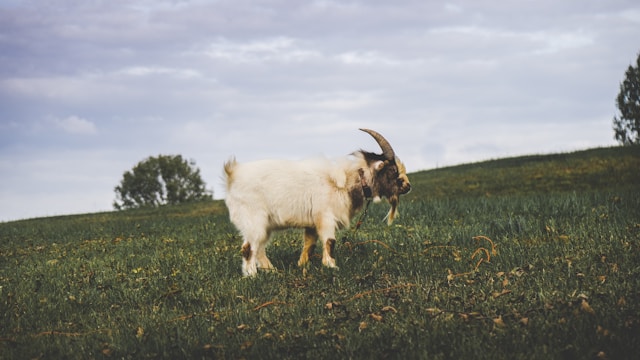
x: 328, y: 237
x: 263, y: 260
x: 327, y: 253
x: 253, y: 251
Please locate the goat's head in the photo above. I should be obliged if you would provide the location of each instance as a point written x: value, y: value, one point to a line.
x: 389, y: 174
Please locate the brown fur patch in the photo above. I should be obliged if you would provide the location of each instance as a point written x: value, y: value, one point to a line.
x: 310, y: 250
x: 246, y: 251
x: 331, y: 243
x: 357, y: 199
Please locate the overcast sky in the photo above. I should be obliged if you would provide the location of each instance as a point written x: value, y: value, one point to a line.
x: 90, y: 88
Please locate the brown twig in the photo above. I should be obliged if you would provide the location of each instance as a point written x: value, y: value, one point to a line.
x: 269, y: 303
x: 493, y: 246
x: 437, y: 247
x: 479, y: 250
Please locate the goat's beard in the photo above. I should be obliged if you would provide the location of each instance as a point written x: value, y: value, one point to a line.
x: 393, y: 211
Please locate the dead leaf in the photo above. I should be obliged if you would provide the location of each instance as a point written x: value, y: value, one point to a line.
x: 499, y: 322
x: 476, y: 314
x: 376, y: 317
x: 524, y: 321
x: 602, y: 331
x: 389, y: 308
x: 496, y: 294
x: 457, y: 256
x: 518, y: 271
x: 584, y: 306
x: 363, y: 325
x: 432, y: 311
x: 331, y: 305
x: 615, y: 268
x: 450, y: 276
x: 622, y: 301
x: 139, y: 332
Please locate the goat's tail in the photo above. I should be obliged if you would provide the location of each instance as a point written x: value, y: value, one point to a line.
x: 229, y: 167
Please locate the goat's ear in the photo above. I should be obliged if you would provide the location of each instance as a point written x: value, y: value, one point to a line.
x: 378, y: 165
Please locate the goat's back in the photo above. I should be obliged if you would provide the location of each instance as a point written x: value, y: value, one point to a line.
x: 288, y: 193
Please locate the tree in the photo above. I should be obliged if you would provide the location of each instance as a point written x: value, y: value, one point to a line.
x: 627, y: 125
x: 160, y: 180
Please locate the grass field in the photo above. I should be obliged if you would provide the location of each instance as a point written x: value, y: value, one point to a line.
x: 533, y: 258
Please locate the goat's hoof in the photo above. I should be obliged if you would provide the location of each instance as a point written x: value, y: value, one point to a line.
x: 330, y: 264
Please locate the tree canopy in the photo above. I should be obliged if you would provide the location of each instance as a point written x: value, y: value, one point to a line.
x: 627, y: 125
x: 161, y: 180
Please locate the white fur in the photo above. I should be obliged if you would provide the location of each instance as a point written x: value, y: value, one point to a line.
x: 268, y: 195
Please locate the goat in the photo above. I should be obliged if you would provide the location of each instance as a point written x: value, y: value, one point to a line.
x: 319, y: 195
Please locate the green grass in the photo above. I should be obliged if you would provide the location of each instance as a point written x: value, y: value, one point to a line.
x: 561, y: 281
x: 596, y: 169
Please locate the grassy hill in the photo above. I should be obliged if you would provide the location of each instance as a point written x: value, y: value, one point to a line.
x: 588, y: 170
x: 527, y: 257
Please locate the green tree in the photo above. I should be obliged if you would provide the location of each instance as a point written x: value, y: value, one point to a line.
x: 627, y: 125
x: 160, y: 180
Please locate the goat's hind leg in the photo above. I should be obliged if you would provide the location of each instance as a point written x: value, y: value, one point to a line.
x: 310, y: 239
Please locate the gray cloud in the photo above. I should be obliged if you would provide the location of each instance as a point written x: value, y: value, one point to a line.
x: 88, y: 89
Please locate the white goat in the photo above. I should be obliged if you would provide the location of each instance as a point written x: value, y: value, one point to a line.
x: 317, y: 195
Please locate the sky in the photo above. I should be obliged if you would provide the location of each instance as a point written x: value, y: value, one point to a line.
x: 88, y: 88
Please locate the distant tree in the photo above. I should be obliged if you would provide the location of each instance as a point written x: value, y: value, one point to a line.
x: 158, y: 181
x: 627, y: 125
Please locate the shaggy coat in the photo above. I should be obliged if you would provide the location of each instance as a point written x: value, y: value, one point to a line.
x: 318, y: 195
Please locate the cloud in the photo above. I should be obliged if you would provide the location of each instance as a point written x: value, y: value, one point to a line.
x: 158, y: 70
x: 281, y: 49
x: 76, y: 125
x: 367, y: 58
x: 64, y: 89
x: 446, y: 83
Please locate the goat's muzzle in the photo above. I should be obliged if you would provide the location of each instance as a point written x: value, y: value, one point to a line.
x: 403, y: 184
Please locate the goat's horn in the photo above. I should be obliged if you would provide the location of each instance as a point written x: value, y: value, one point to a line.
x: 387, y: 150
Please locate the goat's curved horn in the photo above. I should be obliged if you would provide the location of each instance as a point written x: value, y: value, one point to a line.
x: 387, y: 150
